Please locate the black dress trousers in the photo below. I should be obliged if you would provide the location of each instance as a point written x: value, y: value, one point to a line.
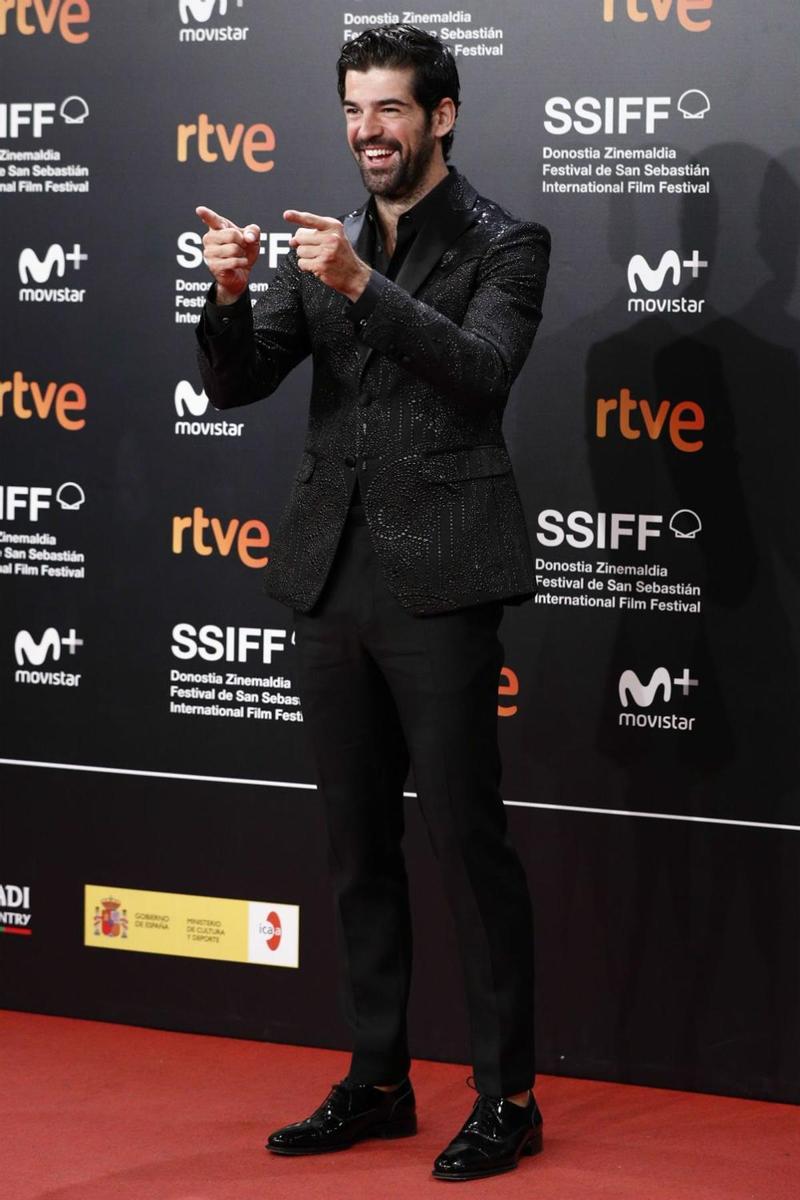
x: 380, y: 687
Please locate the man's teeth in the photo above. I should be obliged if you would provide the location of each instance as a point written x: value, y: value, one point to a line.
x: 378, y: 153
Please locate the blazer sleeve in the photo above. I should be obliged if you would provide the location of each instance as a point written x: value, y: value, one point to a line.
x: 475, y: 362
x: 244, y: 353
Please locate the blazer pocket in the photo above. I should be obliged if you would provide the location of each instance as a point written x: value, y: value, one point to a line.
x: 478, y: 462
x: 307, y: 464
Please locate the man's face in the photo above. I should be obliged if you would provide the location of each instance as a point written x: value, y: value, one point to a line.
x: 389, y: 133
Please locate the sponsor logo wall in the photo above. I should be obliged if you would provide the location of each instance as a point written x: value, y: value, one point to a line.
x: 652, y: 433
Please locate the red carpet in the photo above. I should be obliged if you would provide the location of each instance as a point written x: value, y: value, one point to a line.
x: 90, y: 1111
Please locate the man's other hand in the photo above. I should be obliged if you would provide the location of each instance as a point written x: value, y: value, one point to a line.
x: 323, y: 249
x: 230, y: 252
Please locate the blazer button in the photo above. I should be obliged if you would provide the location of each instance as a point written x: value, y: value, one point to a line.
x: 350, y: 461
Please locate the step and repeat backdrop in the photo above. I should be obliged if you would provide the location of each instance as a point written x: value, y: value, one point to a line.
x: 162, y: 853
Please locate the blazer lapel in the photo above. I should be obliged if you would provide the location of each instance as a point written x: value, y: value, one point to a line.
x: 430, y: 243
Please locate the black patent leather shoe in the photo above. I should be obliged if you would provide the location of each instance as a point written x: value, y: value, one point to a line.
x: 350, y: 1113
x: 492, y: 1139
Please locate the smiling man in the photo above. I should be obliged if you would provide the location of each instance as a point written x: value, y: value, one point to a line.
x: 402, y: 539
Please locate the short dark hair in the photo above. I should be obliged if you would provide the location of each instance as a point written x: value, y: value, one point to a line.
x: 435, y: 71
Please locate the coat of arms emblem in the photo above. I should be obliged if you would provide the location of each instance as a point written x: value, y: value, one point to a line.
x: 110, y: 919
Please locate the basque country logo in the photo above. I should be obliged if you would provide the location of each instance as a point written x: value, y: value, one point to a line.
x: 15, y: 909
x: 110, y: 920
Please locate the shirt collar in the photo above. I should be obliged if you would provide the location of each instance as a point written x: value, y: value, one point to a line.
x: 433, y: 206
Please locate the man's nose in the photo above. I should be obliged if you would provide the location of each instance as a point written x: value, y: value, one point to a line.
x: 371, y: 127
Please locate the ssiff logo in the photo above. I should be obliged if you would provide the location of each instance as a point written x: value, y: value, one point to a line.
x: 31, y: 501
x: 32, y: 267
x: 660, y: 685
x: 17, y: 117
x: 641, y: 10
x: 621, y: 115
x: 46, y: 16
x: 110, y: 919
x: 654, y: 279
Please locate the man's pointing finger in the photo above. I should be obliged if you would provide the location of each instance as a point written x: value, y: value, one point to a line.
x: 310, y: 220
x: 212, y: 219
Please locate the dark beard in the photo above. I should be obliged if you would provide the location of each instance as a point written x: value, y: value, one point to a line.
x: 404, y: 179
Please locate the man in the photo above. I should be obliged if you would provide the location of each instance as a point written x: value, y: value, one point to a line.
x: 402, y: 538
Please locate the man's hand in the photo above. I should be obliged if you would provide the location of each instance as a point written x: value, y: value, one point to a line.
x: 323, y: 249
x: 230, y: 253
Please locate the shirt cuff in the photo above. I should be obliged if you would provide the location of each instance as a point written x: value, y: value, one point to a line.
x: 361, y: 310
x: 218, y: 317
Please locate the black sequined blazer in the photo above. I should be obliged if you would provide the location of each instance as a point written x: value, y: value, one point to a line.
x: 409, y: 401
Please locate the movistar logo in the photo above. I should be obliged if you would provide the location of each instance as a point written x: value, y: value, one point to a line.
x: 32, y: 267
x: 188, y: 400
x: 653, y: 278
x: 203, y: 10
x: 643, y: 694
x: 27, y: 649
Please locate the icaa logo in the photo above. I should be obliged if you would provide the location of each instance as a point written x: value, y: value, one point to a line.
x: 271, y: 930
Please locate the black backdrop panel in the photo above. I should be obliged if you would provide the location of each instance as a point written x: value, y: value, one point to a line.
x: 152, y: 738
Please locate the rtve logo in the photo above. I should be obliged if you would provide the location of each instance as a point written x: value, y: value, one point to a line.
x: 209, y: 535
x: 31, y: 501
x: 25, y: 399
x: 39, y: 270
x: 653, y: 279
x: 45, y: 16
x: 640, y: 10
x: 192, y: 404
x: 190, y: 249
x: 20, y: 116
x: 629, y: 417
x: 644, y: 695
x: 620, y: 114
x: 36, y: 652
x: 255, y: 142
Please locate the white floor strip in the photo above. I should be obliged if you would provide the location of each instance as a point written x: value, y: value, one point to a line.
x: 312, y: 787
